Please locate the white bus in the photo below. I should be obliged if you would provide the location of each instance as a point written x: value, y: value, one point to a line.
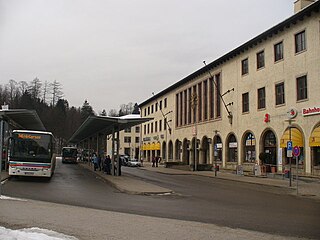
x: 32, y: 154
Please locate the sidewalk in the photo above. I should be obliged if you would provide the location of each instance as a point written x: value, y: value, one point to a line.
x: 307, y: 187
x: 4, y: 175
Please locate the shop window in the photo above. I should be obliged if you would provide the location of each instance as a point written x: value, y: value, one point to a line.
x: 250, y: 148
x: 218, y: 146
x: 232, y: 149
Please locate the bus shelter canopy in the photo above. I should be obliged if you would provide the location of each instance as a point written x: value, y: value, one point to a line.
x: 22, y: 119
x: 107, y: 125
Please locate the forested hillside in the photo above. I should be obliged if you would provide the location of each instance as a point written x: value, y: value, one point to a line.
x: 53, y: 109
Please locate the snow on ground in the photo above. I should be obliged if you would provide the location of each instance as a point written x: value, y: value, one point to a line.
x: 32, y: 234
x: 2, y: 197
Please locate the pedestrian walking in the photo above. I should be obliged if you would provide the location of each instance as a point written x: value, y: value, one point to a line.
x: 157, y: 160
x: 107, y: 163
x: 153, y: 161
x: 95, y: 161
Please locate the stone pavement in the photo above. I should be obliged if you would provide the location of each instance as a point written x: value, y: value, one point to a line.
x: 307, y: 187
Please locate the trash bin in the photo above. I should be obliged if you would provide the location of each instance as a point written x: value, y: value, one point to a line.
x: 287, y: 173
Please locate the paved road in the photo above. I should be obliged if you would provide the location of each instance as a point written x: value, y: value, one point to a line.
x: 201, y: 199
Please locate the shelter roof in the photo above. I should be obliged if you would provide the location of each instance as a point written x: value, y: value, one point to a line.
x: 101, y: 124
x: 22, y: 119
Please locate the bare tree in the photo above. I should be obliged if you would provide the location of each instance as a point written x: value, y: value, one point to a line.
x: 45, y: 91
x: 35, y: 88
x: 23, y: 86
x: 12, y: 90
x: 56, y: 92
x: 113, y: 113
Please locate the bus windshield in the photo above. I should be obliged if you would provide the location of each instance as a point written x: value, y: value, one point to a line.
x: 69, y: 152
x: 30, y: 147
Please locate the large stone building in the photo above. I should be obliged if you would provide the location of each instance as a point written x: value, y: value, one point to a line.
x: 246, y: 105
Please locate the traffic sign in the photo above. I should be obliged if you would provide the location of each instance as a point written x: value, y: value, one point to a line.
x: 289, y: 149
x: 296, y: 151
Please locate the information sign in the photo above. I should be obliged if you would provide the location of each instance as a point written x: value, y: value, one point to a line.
x: 289, y: 149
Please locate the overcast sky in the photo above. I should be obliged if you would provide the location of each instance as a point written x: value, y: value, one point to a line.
x: 112, y: 52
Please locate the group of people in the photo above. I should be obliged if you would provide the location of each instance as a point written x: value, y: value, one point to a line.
x: 98, y: 164
x: 156, y: 161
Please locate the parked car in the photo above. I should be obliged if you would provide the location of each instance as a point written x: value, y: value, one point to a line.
x: 134, y: 163
x: 124, y: 160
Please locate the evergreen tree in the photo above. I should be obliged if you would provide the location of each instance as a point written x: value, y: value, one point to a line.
x: 86, y: 111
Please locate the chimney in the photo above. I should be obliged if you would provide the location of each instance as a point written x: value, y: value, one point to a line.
x: 301, y: 4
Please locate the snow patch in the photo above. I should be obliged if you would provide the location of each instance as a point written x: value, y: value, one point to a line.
x: 2, y: 197
x: 32, y: 234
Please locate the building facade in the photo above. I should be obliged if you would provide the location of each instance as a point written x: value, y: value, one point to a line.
x: 244, y: 108
x: 129, y: 142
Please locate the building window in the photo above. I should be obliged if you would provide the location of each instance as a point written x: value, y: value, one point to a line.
x: 211, y: 97
x: 199, y: 98
x: 181, y: 108
x: 160, y: 125
x: 165, y: 124
x: 261, y: 98
x: 145, y: 112
x: 205, y: 100
x: 137, y: 129
x: 137, y: 139
x: 160, y: 105
x: 218, y: 99
x: 155, y: 126
x: 148, y: 128
x: 189, y: 105
x: 156, y: 107
x: 302, y: 88
x: 151, y: 127
x: 245, y: 102
x: 260, y: 59
x: 280, y: 93
x: 165, y: 102
x: 145, y: 129
x: 300, y: 41
x: 127, y: 130
x: 185, y: 104
x: 178, y: 115
x: 278, y: 51
x: 245, y: 66
x: 127, y: 139
x: 151, y: 108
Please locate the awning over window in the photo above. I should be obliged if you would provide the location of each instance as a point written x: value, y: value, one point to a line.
x: 157, y: 146
x: 296, y: 138
x: 151, y: 146
x: 314, y: 140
